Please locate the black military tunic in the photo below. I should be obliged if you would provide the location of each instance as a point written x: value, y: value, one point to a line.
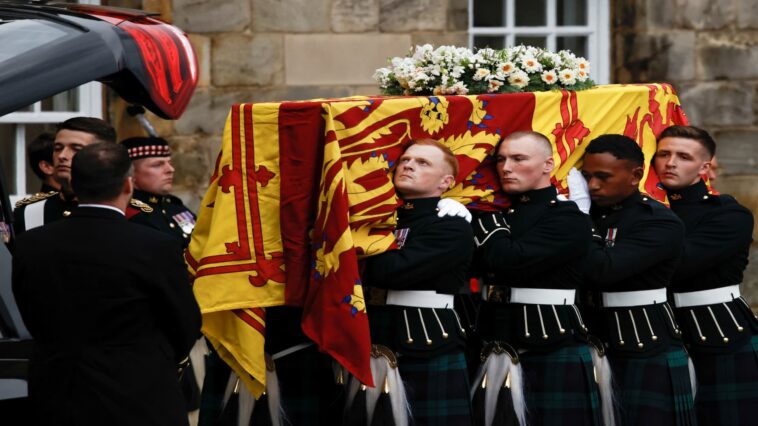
x: 434, y: 255
x: 54, y: 206
x: 548, y: 239
x: 168, y: 215
x: 637, y: 247
x: 721, y: 336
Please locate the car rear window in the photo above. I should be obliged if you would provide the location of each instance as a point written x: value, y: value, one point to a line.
x: 21, y: 36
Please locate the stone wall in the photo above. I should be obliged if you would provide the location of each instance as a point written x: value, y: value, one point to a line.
x: 275, y: 50
x: 708, y: 49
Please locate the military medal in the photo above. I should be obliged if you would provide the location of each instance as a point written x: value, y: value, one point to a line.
x: 185, y: 221
x: 5, y: 232
x: 401, y: 235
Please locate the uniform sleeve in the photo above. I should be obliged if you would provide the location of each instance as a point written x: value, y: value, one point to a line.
x: 18, y: 220
x: 640, y: 247
x: 21, y: 286
x: 555, y: 237
x: 177, y: 308
x: 714, y: 240
x: 439, y: 248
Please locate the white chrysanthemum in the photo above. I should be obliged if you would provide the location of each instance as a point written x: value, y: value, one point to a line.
x: 506, y: 68
x: 583, y: 65
x: 518, y: 79
x: 581, y: 75
x: 530, y: 64
x: 549, y: 77
x: 494, y: 85
x: 567, y: 77
x: 481, y: 74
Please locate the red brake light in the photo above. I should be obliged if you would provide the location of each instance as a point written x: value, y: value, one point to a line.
x: 170, y: 61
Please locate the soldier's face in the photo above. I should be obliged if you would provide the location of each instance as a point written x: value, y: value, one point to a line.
x: 422, y: 172
x: 680, y: 162
x: 523, y: 164
x: 609, y: 179
x: 154, y: 174
x: 67, y: 144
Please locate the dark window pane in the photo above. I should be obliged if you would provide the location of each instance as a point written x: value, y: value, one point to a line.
x: 572, y: 12
x: 8, y: 155
x: 494, y: 42
x: 530, y: 13
x: 535, y: 41
x: 576, y: 44
x: 64, y: 101
x: 489, y: 13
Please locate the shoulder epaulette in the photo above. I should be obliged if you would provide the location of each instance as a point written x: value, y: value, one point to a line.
x: 140, y: 205
x: 36, y: 197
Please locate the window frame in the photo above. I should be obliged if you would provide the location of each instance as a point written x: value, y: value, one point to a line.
x: 597, y: 31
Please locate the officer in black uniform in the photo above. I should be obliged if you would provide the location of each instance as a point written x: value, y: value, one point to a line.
x: 638, y: 242
x: 717, y: 324
x: 40, y: 155
x: 533, y: 251
x: 152, y: 205
x: 153, y: 181
x: 410, y: 295
x: 71, y: 136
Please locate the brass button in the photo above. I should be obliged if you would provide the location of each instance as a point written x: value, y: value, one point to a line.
x: 66, y: 213
x: 172, y: 225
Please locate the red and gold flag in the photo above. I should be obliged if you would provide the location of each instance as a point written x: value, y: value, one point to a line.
x: 302, y: 190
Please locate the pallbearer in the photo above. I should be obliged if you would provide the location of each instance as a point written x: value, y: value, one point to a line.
x: 717, y: 324
x: 637, y: 245
x: 417, y: 336
x: 529, y: 321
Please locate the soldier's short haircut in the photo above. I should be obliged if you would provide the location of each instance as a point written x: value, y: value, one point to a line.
x: 538, y: 137
x: 102, y: 131
x: 691, y: 132
x: 98, y: 172
x: 40, y: 149
x: 450, y: 159
x: 620, y: 146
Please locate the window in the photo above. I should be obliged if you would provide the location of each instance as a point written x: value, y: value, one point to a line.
x: 582, y: 26
x: 19, y: 128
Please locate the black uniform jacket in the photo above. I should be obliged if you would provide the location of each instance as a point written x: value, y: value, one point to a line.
x: 639, y: 245
x: 717, y: 239
x: 111, y: 310
x: 548, y: 240
x: 169, y: 215
x: 56, y: 207
x: 435, y: 254
x: 716, y: 246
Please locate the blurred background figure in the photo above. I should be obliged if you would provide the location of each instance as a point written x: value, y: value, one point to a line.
x: 40, y: 154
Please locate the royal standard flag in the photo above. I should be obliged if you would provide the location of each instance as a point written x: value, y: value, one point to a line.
x: 302, y: 191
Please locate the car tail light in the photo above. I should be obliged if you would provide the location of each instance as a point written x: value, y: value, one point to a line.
x: 169, y: 59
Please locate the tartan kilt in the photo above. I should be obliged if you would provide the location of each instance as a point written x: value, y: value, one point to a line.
x: 437, y: 389
x: 727, y: 391
x: 655, y: 390
x: 560, y: 387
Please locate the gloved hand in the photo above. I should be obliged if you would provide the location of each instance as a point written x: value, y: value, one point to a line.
x: 450, y: 207
x: 488, y: 224
x: 578, y: 191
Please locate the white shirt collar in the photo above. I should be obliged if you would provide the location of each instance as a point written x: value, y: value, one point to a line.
x: 103, y: 206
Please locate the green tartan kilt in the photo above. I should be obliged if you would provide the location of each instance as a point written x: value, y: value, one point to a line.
x: 654, y: 390
x: 437, y: 389
x: 560, y: 387
x: 727, y: 391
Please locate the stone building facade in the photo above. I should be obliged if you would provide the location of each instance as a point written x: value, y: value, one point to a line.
x: 274, y: 50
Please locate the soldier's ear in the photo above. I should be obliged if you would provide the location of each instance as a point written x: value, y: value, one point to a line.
x: 448, y: 181
x: 128, y: 187
x: 637, y: 173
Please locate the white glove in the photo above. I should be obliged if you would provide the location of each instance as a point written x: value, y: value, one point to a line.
x: 578, y: 191
x: 450, y: 207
